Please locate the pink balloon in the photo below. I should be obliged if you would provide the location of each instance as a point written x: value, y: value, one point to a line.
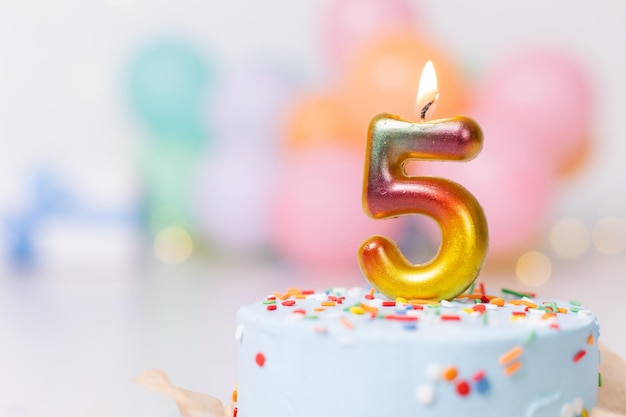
x: 317, y: 220
x: 543, y: 93
x: 348, y: 25
x: 512, y: 182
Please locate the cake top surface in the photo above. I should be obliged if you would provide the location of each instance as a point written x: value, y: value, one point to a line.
x: 363, y: 313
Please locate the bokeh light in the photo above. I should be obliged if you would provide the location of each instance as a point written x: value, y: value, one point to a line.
x: 533, y: 268
x: 173, y: 245
x: 569, y: 238
x: 609, y: 235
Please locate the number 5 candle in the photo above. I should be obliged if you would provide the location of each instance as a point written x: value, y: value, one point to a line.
x: 389, y: 192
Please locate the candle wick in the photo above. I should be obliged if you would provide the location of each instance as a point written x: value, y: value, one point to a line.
x: 427, y: 106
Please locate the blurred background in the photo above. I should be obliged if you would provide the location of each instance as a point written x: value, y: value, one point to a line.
x: 164, y: 164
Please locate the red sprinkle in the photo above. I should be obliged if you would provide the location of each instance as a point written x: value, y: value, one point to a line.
x: 260, y: 359
x: 271, y: 307
x: 463, y: 388
x: 369, y: 296
x: 271, y: 297
x: 332, y: 298
x: 288, y: 303
x: 400, y: 317
x: 299, y: 311
x: 235, y: 412
x: 579, y: 355
x: 455, y: 317
x: 484, y: 299
x: 389, y: 303
x: 479, y: 307
x: 555, y: 326
x: 479, y: 375
x: 308, y: 292
x: 482, y: 289
x: 519, y: 313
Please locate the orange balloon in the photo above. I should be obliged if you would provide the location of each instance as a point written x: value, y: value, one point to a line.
x: 575, y: 159
x: 384, y: 79
x: 318, y: 119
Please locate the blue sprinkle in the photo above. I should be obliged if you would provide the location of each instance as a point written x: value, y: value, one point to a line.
x: 410, y: 326
x: 401, y: 311
x: 482, y: 385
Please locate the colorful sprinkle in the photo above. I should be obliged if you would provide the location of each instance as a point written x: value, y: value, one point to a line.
x: 516, y: 293
x: 450, y: 373
x: 271, y: 307
x: 234, y: 396
x: 389, y: 303
x: 497, y: 301
x: 347, y: 323
x: 463, y: 388
x: 425, y: 394
x: 511, y: 355
x: 513, y: 368
x: 400, y: 317
x: 599, y: 379
x: 478, y: 375
x: 260, y: 359
x: 575, y: 303
x: 272, y: 301
x: 288, y: 303
x: 590, y: 339
x: 356, y: 310
x: 328, y: 304
x: 531, y: 336
x: 482, y: 385
x: 579, y: 355
x: 450, y: 317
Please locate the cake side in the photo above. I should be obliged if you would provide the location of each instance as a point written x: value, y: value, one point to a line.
x: 353, y: 352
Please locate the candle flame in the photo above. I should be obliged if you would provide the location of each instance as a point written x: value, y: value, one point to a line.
x: 427, y: 94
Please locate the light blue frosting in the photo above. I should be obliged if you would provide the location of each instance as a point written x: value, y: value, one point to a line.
x: 353, y: 365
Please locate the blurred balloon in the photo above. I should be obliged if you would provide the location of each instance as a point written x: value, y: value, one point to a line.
x: 385, y: 77
x: 317, y: 221
x: 250, y: 103
x: 168, y: 82
x: 511, y: 180
x: 546, y: 94
x: 232, y: 196
x: 320, y: 119
x: 348, y: 25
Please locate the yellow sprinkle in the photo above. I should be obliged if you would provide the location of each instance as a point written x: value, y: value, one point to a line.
x: 497, y: 301
x: 318, y: 309
x: 357, y: 310
x: 511, y: 355
x: 516, y: 318
x: 328, y: 304
x: 515, y: 302
x: 347, y: 323
x: 590, y: 340
x: 514, y: 367
x: 468, y: 310
x: 529, y: 304
x: 300, y: 296
x: 234, y: 396
x: 450, y: 373
x: 401, y: 300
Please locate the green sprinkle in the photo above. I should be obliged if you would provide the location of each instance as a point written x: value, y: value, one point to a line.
x: 531, y: 336
x: 515, y: 293
x: 434, y: 305
x: 312, y: 317
x: 269, y: 301
x: 477, y: 301
x: 555, y: 308
x: 599, y: 379
x: 471, y: 288
x: 575, y: 302
x: 485, y: 319
x: 575, y: 309
x: 542, y: 308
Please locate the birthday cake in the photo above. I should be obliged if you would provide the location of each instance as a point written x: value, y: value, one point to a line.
x: 354, y: 352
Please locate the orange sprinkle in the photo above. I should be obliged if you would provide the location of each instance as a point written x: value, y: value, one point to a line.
x: 369, y: 309
x: 450, y: 373
x: 497, y: 301
x: 284, y: 297
x: 529, y: 304
x: 347, y: 323
x: 548, y: 315
x: 470, y: 296
x: 328, y: 303
x: 371, y: 291
x: 511, y: 355
x: 318, y: 309
x: 515, y: 302
x: 590, y: 340
x: 234, y: 396
x: 300, y: 296
x: 294, y: 291
x: 514, y: 367
x: 562, y: 310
